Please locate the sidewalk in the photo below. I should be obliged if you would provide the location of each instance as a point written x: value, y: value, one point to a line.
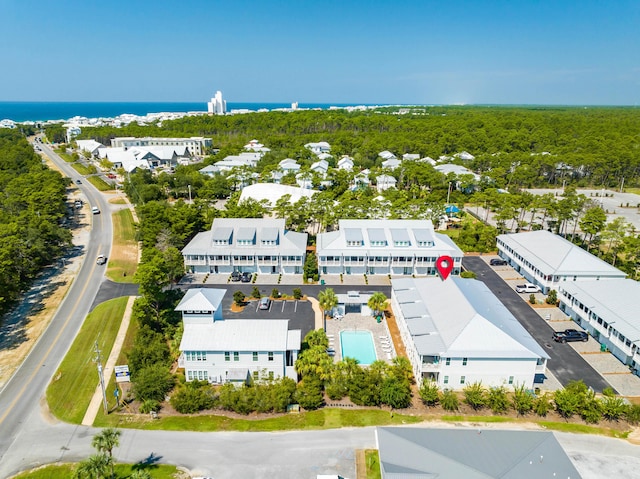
x: 96, y: 400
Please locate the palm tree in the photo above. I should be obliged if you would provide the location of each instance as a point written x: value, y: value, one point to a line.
x: 377, y: 302
x: 327, y: 300
x: 95, y: 467
x: 140, y: 474
x: 105, y: 441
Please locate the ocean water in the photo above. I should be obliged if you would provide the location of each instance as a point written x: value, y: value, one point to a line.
x: 41, y: 111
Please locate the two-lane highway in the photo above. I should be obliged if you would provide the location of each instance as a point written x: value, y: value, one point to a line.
x: 21, y: 396
x: 564, y: 363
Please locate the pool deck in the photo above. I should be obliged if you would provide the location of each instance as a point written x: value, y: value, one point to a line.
x: 385, y: 350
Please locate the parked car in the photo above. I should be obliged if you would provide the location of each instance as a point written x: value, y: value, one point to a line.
x: 246, y: 277
x: 497, y: 262
x: 265, y: 303
x: 570, y: 335
x: 236, y: 276
x: 102, y: 259
x: 527, y: 288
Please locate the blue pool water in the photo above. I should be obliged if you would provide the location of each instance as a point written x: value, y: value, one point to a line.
x: 358, y: 345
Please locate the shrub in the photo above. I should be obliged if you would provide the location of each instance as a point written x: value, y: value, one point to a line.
x: 149, y: 405
x: 475, y: 396
x: 552, y: 297
x: 449, y: 400
x: 532, y: 298
x: 522, y: 400
x: 255, y: 292
x: 591, y: 411
x: 613, y: 408
x: 497, y: 400
x: 309, y: 393
x: 193, y: 397
x: 275, y: 294
x: 152, y: 382
x: 468, y: 274
x: 632, y: 414
x: 395, y: 393
x: 542, y: 405
x: 429, y: 393
x: 238, y: 298
x: 297, y: 293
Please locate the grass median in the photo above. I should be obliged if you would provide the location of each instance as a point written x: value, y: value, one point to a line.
x: 65, y: 471
x: 72, y: 387
x: 124, y: 252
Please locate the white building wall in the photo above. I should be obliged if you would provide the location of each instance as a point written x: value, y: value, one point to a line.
x: 490, y: 372
x: 217, y: 367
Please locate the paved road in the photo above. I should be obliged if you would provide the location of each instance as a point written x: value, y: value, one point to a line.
x: 564, y: 363
x: 20, y: 398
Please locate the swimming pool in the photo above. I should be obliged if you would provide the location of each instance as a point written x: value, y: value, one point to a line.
x: 358, y: 345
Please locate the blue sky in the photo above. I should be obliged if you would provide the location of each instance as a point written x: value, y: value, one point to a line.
x: 375, y: 51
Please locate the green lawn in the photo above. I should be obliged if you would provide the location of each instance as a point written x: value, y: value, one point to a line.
x: 65, y: 156
x: 327, y: 418
x: 73, y: 385
x: 124, y: 253
x: 372, y: 460
x: 123, y: 471
x: 99, y: 183
x: 82, y: 169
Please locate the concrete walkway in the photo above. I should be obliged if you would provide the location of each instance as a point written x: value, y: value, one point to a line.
x: 96, y: 400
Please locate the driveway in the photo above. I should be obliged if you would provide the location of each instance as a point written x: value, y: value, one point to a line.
x: 565, y: 363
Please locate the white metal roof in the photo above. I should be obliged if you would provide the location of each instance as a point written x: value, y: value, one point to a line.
x: 613, y: 300
x: 239, y: 335
x: 462, y: 311
x: 273, y: 192
x: 201, y: 299
x: 552, y: 254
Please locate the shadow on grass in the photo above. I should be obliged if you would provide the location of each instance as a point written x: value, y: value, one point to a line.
x: 149, y: 462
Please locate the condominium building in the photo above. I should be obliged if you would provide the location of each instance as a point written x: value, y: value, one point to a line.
x: 196, y: 145
x: 385, y: 247
x: 254, y: 245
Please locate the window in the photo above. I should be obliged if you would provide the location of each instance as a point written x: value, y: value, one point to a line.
x: 447, y: 362
x: 446, y: 380
x: 255, y: 355
x: 255, y: 375
x: 236, y: 356
x: 462, y: 379
x: 464, y: 361
x: 270, y: 375
x: 227, y: 356
x: 270, y: 355
x: 510, y: 379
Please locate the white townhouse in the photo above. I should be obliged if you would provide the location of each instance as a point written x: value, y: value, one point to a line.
x: 550, y: 261
x: 456, y: 332
x: 387, y: 155
x: 410, y: 157
x: 457, y: 170
x: 233, y: 350
x: 253, y: 245
x: 608, y: 310
x: 244, y: 159
x: 289, y: 165
x: 90, y: 146
x: 345, y: 163
x: 391, y: 163
x: 383, y: 247
x: 271, y: 193
x: 196, y: 145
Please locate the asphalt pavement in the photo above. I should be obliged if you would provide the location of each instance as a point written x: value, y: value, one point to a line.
x: 564, y: 362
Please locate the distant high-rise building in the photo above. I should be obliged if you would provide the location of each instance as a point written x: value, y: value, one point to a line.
x: 217, y: 106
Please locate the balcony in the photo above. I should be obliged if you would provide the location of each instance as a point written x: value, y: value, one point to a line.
x: 430, y: 363
x: 269, y: 262
x: 402, y: 262
x: 355, y: 262
x: 243, y: 262
x: 291, y: 262
x: 334, y: 262
x: 220, y: 262
x: 377, y: 262
x: 195, y: 262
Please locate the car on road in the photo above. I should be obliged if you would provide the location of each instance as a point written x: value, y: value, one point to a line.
x: 527, y: 288
x: 78, y: 182
x: 236, y: 276
x: 570, y: 335
x: 246, y: 277
x: 95, y: 210
x: 265, y: 303
x: 497, y: 262
x: 102, y: 259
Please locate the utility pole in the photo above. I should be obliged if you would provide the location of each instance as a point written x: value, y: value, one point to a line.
x: 98, y: 361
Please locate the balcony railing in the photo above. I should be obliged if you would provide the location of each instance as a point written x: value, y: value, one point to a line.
x: 195, y: 262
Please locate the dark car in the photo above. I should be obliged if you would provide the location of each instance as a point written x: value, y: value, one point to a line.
x: 236, y: 276
x: 246, y: 277
x: 570, y: 335
x: 497, y: 262
x: 79, y: 182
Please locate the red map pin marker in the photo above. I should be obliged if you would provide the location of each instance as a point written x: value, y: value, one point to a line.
x: 444, y: 265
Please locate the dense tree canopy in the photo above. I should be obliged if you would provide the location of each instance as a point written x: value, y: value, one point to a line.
x: 32, y: 216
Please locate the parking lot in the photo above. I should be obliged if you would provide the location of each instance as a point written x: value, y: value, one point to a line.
x: 551, y: 318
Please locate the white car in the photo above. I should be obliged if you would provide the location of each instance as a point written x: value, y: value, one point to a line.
x: 527, y: 288
x: 101, y: 259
